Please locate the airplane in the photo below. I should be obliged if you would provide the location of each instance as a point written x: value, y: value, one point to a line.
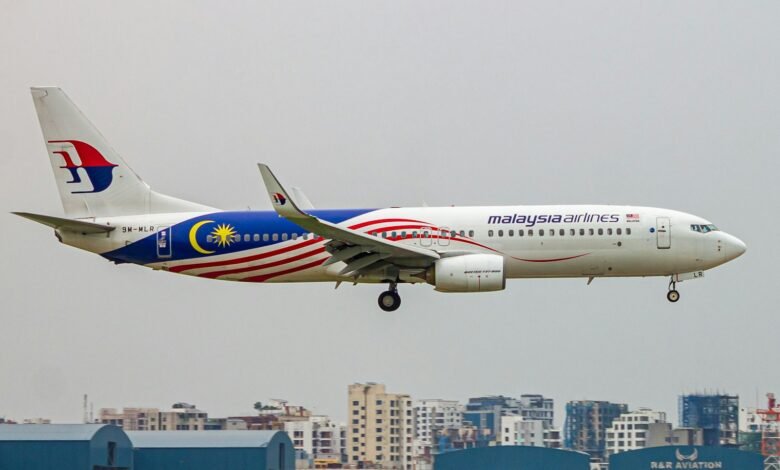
x: 111, y: 211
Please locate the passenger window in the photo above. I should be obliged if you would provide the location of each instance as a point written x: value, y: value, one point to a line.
x: 490, y: 233
x: 471, y: 233
x: 275, y: 237
x: 246, y: 237
x: 628, y: 231
x: 403, y: 234
x: 265, y: 237
x: 462, y: 233
x: 284, y: 237
x: 414, y: 234
x: 453, y: 233
x: 561, y: 232
x: 601, y: 231
x: 520, y: 233
x: 620, y: 231
x: 294, y: 236
x: 256, y: 237
x: 541, y: 232
x: 393, y: 234
x: 552, y: 232
x: 384, y: 234
x: 209, y: 238
x: 591, y: 232
x: 236, y: 238
x: 609, y: 231
x: 500, y: 233
x: 572, y: 232
x: 511, y: 233
x: 530, y: 232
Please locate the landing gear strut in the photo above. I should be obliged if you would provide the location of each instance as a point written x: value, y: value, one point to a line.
x: 672, y: 295
x: 389, y: 301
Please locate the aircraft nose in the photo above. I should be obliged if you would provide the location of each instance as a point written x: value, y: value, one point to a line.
x: 734, y: 247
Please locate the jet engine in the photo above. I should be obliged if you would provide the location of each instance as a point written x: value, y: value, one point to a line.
x: 468, y: 273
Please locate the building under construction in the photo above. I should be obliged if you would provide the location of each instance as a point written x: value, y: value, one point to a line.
x: 717, y: 415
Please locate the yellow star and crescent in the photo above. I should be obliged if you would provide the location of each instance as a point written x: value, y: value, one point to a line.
x: 222, y: 234
x: 194, y: 237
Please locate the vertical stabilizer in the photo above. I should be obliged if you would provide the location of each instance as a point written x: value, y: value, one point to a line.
x: 92, y: 179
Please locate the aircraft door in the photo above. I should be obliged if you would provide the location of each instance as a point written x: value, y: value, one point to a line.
x: 425, y: 236
x: 164, y: 244
x: 444, y: 236
x: 663, y: 231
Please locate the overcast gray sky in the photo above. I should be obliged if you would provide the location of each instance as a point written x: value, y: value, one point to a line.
x: 371, y: 104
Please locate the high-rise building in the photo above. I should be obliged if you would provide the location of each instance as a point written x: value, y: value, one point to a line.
x: 586, y: 425
x: 485, y: 412
x: 320, y: 438
x: 131, y: 419
x: 519, y: 431
x: 380, y: 431
x: 716, y: 415
x: 181, y: 417
x: 630, y: 431
x: 431, y: 415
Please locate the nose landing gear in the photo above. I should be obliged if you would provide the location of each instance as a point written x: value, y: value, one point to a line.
x: 672, y: 295
x: 389, y: 301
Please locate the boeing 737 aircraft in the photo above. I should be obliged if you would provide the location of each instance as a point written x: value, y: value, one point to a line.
x: 110, y: 211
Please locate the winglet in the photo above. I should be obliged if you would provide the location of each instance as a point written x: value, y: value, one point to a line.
x: 280, y: 198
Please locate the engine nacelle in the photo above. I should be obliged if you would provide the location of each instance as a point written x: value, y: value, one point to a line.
x: 468, y: 273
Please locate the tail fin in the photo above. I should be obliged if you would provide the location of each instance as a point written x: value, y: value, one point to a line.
x: 92, y: 178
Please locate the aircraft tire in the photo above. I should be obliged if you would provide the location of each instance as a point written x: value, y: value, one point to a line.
x: 673, y: 296
x: 389, y: 301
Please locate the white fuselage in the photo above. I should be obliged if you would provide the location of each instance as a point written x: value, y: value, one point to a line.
x: 535, y: 241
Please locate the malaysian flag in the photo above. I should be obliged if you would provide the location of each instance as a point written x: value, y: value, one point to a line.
x: 632, y: 217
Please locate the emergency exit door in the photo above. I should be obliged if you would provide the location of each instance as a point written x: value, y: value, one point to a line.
x: 164, y: 248
x: 663, y: 232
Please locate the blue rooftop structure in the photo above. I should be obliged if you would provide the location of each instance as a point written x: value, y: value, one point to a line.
x: 212, y: 450
x: 65, y: 447
x: 692, y: 457
x: 512, y: 458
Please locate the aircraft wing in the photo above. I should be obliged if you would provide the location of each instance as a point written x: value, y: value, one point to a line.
x: 360, y: 251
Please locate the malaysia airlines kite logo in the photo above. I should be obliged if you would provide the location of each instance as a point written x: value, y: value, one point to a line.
x: 279, y: 199
x: 99, y: 171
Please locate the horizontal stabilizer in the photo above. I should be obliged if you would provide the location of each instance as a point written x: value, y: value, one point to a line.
x: 71, y: 225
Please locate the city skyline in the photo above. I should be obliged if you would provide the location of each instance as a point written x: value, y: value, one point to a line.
x: 395, y: 104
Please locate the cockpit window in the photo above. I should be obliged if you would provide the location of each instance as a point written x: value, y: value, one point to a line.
x: 703, y: 228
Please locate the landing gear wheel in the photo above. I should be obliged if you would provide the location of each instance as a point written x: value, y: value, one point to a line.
x: 672, y: 296
x: 389, y: 301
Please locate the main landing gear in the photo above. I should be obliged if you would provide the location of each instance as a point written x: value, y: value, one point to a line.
x: 672, y: 295
x: 389, y: 301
